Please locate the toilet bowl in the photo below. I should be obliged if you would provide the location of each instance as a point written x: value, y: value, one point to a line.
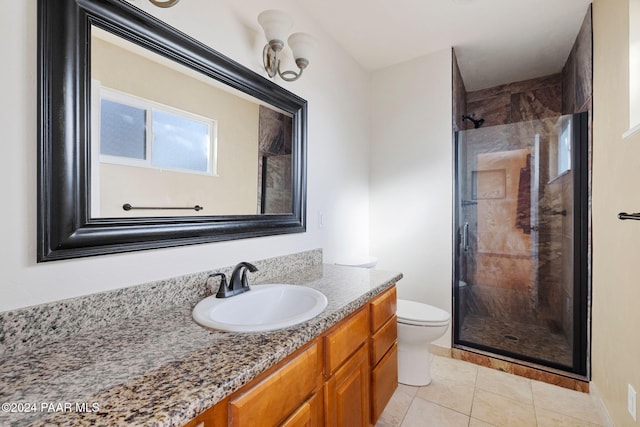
x: 418, y: 325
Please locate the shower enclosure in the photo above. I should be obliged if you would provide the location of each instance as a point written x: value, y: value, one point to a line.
x: 520, y: 288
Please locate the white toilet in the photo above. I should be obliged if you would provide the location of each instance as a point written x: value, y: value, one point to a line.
x: 418, y: 325
x: 362, y: 261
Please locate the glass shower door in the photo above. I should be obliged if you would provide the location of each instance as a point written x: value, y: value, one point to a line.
x: 520, y: 270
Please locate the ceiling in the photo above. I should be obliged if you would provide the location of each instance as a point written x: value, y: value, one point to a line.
x: 496, y: 41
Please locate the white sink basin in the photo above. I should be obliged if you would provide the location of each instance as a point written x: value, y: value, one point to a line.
x: 263, y: 308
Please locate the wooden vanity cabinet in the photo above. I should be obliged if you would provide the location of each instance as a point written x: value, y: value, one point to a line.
x: 347, y: 392
x: 345, y: 377
x: 309, y: 414
x: 384, y: 351
x: 282, y: 393
x: 346, y: 389
x: 287, y: 394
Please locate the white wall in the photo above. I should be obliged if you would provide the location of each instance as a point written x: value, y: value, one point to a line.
x: 411, y: 177
x: 634, y: 64
x: 615, y: 347
x: 335, y: 87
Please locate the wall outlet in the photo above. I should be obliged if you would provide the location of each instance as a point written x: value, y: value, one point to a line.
x: 631, y: 402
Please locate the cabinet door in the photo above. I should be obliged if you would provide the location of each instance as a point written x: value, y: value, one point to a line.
x: 384, y: 381
x: 309, y: 414
x: 347, y: 392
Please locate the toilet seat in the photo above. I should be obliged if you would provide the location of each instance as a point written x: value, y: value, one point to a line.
x: 419, y: 314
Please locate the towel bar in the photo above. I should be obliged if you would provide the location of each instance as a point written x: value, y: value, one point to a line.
x: 128, y: 207
x: 624, y: 215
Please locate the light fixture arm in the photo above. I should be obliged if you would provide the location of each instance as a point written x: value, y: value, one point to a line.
x: 290, y: 76
x: 271, y: 60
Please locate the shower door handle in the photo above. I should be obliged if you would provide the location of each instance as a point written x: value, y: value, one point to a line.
x: 465, y: 237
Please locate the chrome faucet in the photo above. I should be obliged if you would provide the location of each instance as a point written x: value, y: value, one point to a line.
x: 238, y: 283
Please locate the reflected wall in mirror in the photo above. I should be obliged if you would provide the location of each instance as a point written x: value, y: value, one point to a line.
x: 132, y: 111
x: 164, y: 135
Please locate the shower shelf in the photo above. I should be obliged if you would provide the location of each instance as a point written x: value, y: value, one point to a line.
x: 624, y: 215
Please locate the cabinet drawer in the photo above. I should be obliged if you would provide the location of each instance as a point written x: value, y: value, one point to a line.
x: 310, y: 414
x: 345, y: 340
x: 205, y: 419
x: 383, y: 340
x: 382, y: 308
x: 384, y: 381
x: 278, y: 395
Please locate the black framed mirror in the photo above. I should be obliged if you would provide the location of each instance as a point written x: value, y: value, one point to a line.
x: 69, y: 223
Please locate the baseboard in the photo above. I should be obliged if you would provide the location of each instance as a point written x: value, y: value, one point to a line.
x: 597, y: 399
x: 440, y: 351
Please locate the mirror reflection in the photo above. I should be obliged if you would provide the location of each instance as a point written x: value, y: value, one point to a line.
x: 169, y: 141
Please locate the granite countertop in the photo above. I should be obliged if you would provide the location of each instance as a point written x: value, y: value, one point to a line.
x: 161, y: 368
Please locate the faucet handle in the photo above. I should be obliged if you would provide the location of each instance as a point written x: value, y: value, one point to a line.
x: 222, y: 288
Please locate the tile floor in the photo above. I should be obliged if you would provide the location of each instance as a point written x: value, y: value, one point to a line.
x: 464, y: 394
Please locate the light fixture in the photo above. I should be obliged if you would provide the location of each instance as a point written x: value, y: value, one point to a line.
x: 276, y: 26
x: 166, y: 3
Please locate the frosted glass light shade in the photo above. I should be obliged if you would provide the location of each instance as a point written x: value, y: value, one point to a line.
x: 302, y: 45
x: 276, y: 24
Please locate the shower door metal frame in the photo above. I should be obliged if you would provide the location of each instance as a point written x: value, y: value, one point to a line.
x: 580, y: 368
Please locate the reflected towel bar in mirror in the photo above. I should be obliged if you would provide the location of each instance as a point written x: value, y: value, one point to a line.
x: 624, y: 215
x: 128, y: 207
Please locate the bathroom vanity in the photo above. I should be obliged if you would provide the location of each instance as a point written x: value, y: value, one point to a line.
x: 344, y: 377
x: 136, y: 357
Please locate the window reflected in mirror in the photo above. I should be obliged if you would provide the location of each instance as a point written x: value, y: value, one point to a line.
x: 139, y: 132
x: 165, y: 136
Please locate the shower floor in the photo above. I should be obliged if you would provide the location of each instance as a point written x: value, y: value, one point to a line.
x: 524, y: 339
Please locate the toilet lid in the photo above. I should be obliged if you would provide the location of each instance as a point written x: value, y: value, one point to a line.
x: 417, y: 313
x: 358, y: 261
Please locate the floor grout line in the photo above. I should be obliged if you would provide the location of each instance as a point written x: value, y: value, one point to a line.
x: 450, y: 370
x: 473, y: 399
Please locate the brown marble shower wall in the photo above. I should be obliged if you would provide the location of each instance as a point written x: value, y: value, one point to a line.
x: 503, y: 255
x: 274, y: 162
x: 550, y: 301
x: 501, y: 265
x: 577, y: 97
x: 555, y: 252
x: 577, y: 74
x: 516, y: 102
x: 459, y: 94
